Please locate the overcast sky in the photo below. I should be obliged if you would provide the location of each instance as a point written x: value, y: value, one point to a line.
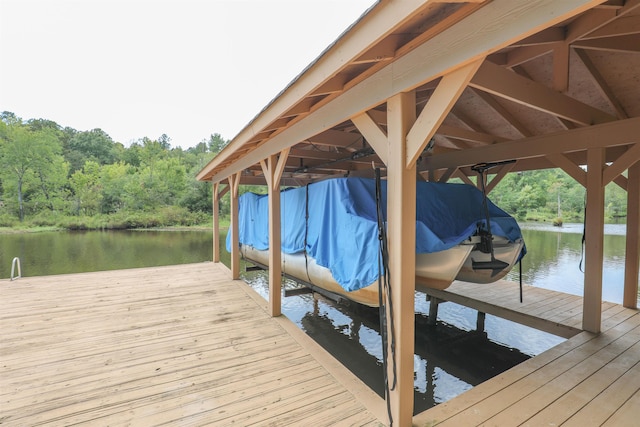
x: 135, y: 68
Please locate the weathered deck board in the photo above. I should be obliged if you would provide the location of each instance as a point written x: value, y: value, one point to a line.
x: 178, y: 345
x: 550, y: 311
x: 184, y: 345
x: 590, y: 379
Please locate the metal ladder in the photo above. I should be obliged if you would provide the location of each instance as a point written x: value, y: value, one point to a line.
x: 14, y: 263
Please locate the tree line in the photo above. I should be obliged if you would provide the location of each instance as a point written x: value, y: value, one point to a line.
x: 58, y: 176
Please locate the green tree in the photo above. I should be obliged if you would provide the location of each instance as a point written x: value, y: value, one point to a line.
x: 95, y: 145
x: 151, y: 152
x: 114, y: 179
x: 26, y: 153
x: 217, y: 143
x: 87, y: 190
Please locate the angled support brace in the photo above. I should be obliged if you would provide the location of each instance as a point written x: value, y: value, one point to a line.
x: 433, y: 114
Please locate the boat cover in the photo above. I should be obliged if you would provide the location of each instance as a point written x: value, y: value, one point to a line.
x: 341, y: 231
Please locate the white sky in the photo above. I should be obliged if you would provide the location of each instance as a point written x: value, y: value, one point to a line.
x: 135, y: 68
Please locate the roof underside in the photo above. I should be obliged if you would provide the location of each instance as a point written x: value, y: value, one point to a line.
x: 533, y: 99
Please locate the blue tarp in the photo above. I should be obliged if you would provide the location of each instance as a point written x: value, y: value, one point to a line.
x: 342, y: 231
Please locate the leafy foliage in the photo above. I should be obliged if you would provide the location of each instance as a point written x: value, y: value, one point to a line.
x: 57, y: 176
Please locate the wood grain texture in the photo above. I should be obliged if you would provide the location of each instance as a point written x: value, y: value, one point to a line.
x: 178, y: 345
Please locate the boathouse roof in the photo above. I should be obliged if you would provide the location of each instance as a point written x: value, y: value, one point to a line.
x: 557, y: 78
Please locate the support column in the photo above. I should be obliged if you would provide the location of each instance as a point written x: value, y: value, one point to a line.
x: 406, y: 139
x: 632, y: 254
x: 401, y: 209
x: 216, y: 195
x: 273, y: 168
x: 216, y: 221
x: 594, y: 241
x: 234, y: 183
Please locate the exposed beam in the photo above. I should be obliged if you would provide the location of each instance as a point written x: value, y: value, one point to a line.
x: 468, y: 135
x: 527, y: 53
x: 623, y: 163
x: 597, y: 18
x: 468, y: 121
x: 446, y: 175
x: 490, y: 28
x: 498, y: 81
x: 589, y: 22
x: 602, y: 84
x: 572, y: 169
x: 629, y: 43
x: 548, y: 36
x: 501, y: 173
x: 621, y: 132
x: 374, y: 134
x: 619, y: 27
x: 299, y: 153
x: 440, y: 103
x: 459, y: 174
x: 561, y: 67
x: 383, y: 51
x: 503, y: 112
x: 332, y: 86
x: 335, y: 138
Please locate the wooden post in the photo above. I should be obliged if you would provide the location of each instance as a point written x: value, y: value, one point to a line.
x: 480, y: 319
x: 216, y: 221
x: 632, y: 258
x: 216, y: 195
x: 273, y: 168
x: 401, y: 208
x: 407, y: 137
x: 434, y: 303
x: 234, y: 183
x: 594, y: 241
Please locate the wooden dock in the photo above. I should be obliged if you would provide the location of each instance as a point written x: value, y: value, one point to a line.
x: 588, y: 380
x: 180, y: 345
x: 543, y: 309
x: 185, y: 345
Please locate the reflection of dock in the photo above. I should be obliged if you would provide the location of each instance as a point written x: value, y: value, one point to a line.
x: 444, y: 347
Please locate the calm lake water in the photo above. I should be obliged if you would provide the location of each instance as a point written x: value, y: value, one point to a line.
x: 443, y: 368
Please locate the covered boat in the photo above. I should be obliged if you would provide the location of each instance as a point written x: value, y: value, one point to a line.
x: 330, y: 236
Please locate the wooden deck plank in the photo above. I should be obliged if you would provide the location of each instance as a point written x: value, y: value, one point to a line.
x: 546, y: 392
x: 603, y: 377
x: 561, y: 374
x: 491, y: 300
x: 627, y: 414
x: 607, y: 402
x: 185, y: 345
x: 176, y: 345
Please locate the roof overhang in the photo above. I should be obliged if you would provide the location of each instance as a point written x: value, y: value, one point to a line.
x: 550, y: 67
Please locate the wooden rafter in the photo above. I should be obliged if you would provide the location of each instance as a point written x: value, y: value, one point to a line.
x: 622, y: 132
x: 496, y: 80
x: 601, y: 84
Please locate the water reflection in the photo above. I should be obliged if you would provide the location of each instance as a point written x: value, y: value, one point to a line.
x: 78, y: 251
x: 450, y: 357
x: 555, y: 259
